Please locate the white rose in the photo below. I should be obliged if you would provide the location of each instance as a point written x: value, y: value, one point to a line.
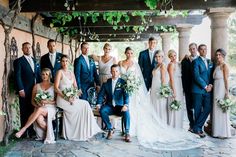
x: 44, y: 96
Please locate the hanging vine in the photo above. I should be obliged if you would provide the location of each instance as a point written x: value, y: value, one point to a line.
x: 5, y: 84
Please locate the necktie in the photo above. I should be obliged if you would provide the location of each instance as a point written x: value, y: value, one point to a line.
x: 31, y: 62
x: 151, y: 56
x: 205, y: 61
x: 52, y: 59
x: 113, y: 90
x: 87, y: 60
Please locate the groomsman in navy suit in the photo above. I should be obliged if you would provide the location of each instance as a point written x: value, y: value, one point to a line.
x: 27, y: 73
x: 201, y: 89
x: 147, y: 62
x: 52, y: 59
x: 186, y: 69
x: 85, y: 72
x: 117, y: 101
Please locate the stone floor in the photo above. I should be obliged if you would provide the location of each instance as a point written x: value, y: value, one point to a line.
x: 98, y: 146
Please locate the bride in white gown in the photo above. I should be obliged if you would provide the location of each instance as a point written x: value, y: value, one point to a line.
x: 149, y: 129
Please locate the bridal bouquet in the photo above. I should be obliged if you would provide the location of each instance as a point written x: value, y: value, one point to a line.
x: 165, y: 91
x: 225, y: 104
x: 132, y: 82
x: 70, y: 93
x: 175, y: 105
x: 42, y: 96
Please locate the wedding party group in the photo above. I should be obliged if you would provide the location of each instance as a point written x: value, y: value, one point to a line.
x: 150, y: 95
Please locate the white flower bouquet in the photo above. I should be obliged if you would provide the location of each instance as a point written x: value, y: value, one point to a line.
x: 225, y: 104
x: 165, y: 91
x: 70, y: 93
x: 42, y: 96
x: 175, y: 105
x: 132, y: 83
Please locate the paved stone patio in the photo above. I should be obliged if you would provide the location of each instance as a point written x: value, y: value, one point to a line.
x: 98, y: 146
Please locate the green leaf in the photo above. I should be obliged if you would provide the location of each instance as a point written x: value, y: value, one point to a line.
x: 115, y: 27
x: 2, y: 113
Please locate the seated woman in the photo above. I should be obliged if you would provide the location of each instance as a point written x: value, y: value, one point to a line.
x: 79, y: 123
x: 44, y: 111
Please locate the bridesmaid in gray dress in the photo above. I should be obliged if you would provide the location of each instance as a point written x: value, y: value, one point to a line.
x: 44, y: 111
x: 104, y: 63
x: 79, y: 123
x: 175, y: 118
x: 160, y: 77
x: 221, y: 126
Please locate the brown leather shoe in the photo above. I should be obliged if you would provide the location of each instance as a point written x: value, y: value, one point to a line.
x: 127, y: 138
x: 109, y: 135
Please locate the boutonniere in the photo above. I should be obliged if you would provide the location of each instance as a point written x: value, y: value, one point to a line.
x: 58, y: 59
x: 118, y: 85
x: 91, y: 59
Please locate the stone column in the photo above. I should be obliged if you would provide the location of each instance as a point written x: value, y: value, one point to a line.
x: 166, y: 40
x: 219, y: 35
x: 184, y: 35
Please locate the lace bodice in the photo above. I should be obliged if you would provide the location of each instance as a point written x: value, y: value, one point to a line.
x: 65, y: 82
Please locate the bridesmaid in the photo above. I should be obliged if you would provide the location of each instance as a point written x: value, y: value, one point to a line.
x: 79, y: 123
x: 44, y: 111
x: 175, y: 117
x: 104, y: 63
x: 160, y: 77
x: 221, y: 126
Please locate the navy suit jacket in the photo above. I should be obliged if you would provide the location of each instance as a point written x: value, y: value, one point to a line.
x: 187, y: 79
x: 45, y: 63
x: 202, y: 76
x: 85, y: 76
x: 146, y: 67
x: 120, y: 96
x: 25, y: 77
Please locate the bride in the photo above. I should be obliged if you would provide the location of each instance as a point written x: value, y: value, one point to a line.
x: 149, y: 129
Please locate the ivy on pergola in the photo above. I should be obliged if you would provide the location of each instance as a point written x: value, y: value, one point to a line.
x: 117, y: 19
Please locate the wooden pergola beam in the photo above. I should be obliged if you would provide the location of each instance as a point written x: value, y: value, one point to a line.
x: 119, y: 5
x: 134, y: 21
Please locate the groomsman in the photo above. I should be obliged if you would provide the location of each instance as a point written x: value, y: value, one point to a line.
x: 186, y: 69
x: 147, y: 62
x: 52, y: 59
x: 201, y: 89
x: 85, y: 71
x: 27, y: 73
x: 117, y: 101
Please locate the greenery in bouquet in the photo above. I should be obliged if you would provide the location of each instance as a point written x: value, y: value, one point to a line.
x: 132, y: 83
x: 42, y: 95
x: 175, y: 105
x: 225, y: 104
x: 70, y: 93
x: 165, y: 91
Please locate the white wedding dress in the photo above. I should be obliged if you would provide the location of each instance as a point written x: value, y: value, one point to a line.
x: 150, y: 130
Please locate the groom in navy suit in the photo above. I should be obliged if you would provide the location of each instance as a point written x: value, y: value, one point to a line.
x: 117, y: 101
x: 52, y: 59
x: 85, y: 72
x: 27, y: 73
x: 147, y: 62
x: 201, y: 89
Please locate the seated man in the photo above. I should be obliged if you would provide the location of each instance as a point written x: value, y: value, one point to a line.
x: 117, y: 102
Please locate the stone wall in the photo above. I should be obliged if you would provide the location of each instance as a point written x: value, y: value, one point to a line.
x: 23, y: 34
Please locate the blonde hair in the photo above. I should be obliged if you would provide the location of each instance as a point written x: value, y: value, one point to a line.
x: 106, y: 45
x: 159, y: 53
x: 47, y: 70
x: 170, y: 52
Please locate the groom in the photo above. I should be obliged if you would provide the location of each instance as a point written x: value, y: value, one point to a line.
x: 147, y: 62
x: 201, y: 89
x: 117, y: 102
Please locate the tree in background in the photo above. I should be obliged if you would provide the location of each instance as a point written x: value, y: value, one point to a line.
x: 232, y: 40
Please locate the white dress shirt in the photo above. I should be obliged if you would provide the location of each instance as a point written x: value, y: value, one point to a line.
x: 30, y: 61
x: 86, y: 59
x: 113, y: 89
x: 205, y: 61
x: 151, y: 54
x: 52, y: 57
